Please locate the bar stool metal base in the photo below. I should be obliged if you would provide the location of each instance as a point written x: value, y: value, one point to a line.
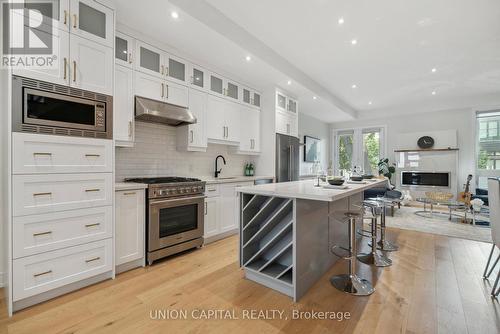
x: 377, y: 259
x: 387, y: 246
x: 352, y: 284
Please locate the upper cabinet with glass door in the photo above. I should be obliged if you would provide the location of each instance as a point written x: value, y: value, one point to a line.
x: 149, y: 60
x: 124, y: 50
x: 91, y: 20
x: 216, y: 84
x: 231, y: 89
x: 176, y: 69
x: 250, y: 97
x: 292, y: 106
x: 280, y: 101
x: 198, y: 77
x: 54, y: 11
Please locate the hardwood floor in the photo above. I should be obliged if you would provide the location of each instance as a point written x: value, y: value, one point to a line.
x: 433, y: 286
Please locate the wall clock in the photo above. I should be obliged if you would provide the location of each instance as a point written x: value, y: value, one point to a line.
x: 425, y: 142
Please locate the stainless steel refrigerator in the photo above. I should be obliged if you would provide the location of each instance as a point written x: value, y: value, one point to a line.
x: 287, y: 158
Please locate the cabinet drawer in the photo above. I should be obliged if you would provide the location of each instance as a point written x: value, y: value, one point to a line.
x: 50, y: 231
x: 43, y: 272
x: 34, y: 153
x: 33, y: 194
x: 211, y: 190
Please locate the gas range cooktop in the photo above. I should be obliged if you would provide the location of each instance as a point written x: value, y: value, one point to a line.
x: 166, y: 179
x: 171, y: 186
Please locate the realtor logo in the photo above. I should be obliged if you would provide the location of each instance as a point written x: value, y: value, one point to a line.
x: 28, y: 34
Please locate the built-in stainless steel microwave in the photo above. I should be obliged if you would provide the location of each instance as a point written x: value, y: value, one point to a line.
x: 43, y: 107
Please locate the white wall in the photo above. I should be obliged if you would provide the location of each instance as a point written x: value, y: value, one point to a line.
x: 313, y: 127
x: 155, y: 154
x: 4, y: 133
x: 460, y: 120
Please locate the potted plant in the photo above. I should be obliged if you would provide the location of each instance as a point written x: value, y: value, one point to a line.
x: 386, y: 169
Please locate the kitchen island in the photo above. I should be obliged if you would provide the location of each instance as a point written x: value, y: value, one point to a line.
x: 287, y: 230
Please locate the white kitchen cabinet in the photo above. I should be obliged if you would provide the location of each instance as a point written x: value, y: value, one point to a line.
x: 91, y: 65
x: 292, y: 106
x: 124, y: 50
x: 149, y: 86
x: 59, y: 16
x: 212, y: 217
x: 193, y: 137
x: 250, y: 131
x: 130, y: 218
x: 280, y: 101
x: 250, y: 97
x: 93, y: 21
x: 176, y: 94
x: 59, y: 75
x: 223, y: 120
x: 231, y: 90
x: 286, y: 124
x: 176, y: 69
x: 43, y: 272
x: 47, y: 154
x: 123, y: 107
x: 150, y: 60
x: 230, y: 205
x: 198, y: 77
x: 216, y: 84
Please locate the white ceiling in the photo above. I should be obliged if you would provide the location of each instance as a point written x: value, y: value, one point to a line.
x: 399, y: 42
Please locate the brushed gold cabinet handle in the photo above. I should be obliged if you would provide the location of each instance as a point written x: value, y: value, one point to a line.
x: 92, y: 190
x: 166, y: 71
x: 74, y: 71
x: 162, y: 69
x: 130, y: 193
x: 65, y: 65
x: 167, y: 91
x: 162, y: 89
x: 41, y: 233
x: 42, y: 194
x: 74, y: 21
x: 130, y: 58
x: 192, y: 136
x: 93, y: 259
x: 92, y: 225
x: 65, y: 17
x: 44, y: 273
x: 92, y: 155
x: 42, y: 153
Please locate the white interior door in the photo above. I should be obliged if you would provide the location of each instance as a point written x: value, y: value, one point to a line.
x: 91, y: 65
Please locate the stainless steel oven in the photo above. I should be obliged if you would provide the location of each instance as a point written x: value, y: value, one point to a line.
x: 175, y: 215
x: 43, y: 107
x: 173, y: 221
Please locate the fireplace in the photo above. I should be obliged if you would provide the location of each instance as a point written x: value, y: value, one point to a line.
x: 425, y: 179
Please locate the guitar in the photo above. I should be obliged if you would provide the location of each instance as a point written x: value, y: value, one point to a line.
x: 465, y: 196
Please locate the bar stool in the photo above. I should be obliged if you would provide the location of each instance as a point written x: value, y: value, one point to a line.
x: 382, y: 243
x: 351, y: 283
x: 374, y: 257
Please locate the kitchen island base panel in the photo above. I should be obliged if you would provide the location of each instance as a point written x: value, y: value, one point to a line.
x: 285, y: 243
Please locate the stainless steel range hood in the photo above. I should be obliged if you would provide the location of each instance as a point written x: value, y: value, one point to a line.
x: 152, y: 111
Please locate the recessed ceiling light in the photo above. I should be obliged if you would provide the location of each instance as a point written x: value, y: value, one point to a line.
x: 314, y: 97
x: 354, y: 41
x: 433, y: 92
x: 354, y: 86
x: 248, y: 58
x: 174, y: 15
x: 289, y: 82
x: 434, y: 70
x: 341, y: 21
x: 370, y: 102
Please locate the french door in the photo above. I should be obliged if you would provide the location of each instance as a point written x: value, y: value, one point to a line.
x: 359, y: 148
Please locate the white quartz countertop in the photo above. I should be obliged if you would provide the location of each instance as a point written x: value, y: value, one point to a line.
x: 232, y: 179
x: 129, y: 186
x: 305, y: 189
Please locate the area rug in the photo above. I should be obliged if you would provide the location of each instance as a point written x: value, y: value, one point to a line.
x: 406, y: 219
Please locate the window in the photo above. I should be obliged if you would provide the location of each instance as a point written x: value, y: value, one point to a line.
x: 487, y: 146
x: 361, y: 147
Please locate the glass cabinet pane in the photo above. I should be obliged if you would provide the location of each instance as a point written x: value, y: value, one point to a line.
x: 48, y: 9
x: 91, y: 20
x: 281, y: 101
x: 121, y: 48
x: 150, y: 60
x: 198, y: 77
x: 292, y: 106
x: 215, y: 84
x: 176, y: 69
x: 256, y: 99
x: 232, y: 90
x: 246, y: 95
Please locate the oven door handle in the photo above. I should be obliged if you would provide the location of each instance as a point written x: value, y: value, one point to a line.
x: 173, y: 200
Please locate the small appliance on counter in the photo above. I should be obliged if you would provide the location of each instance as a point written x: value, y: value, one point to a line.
x: 174, y: 215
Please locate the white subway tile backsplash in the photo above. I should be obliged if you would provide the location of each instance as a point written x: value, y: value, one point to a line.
x: 155, y: 154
